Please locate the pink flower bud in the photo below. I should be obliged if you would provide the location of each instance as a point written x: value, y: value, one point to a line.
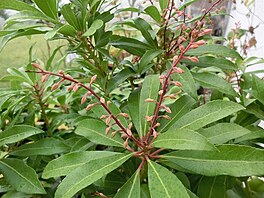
x: 149, y: 118
x: 200, y: 42
x: 89, y: 106
x: 84, y: 98
x: 102, y: 100
x: 107, y: 130
x: 75, y: 87
x: 204, y: 32
x: 70, y: 87
x: 36, y: 65
x: 108, y: 103
x: 55, y: 86
x: 93, y: 79
x: 177, y: 83
x: 167, y: 109
x: 160, y: 92
x: 181, y: 47
x: 129, y: 132
x: 194, y: 46
x: 178, y: 70
x: 104, y: 117
x: 194, y: 59
x: 124, y: 135
x: 166, y: 117
x: 108, y: 120
x: 61, y: 72
x: 44, y: 78
x: 150, y: 100
x: 125, y: 143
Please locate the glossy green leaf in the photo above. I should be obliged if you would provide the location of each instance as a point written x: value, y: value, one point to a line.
x: 153, y: 12
x: 218, y: 50
x: 223, y: 132
x: 30, y: 15
x: 163, y: 183
x: 18, y: 133
x: 94, y: 130
x: 47, y: 146
x: 163, y: 4
x: 150, y: 89
x: 209, y: 61
x: 147, y: 58
x: 144, y: 191
x: 233, y: 160
x: 70, y: 17
x: 120, y: 77
x: 15, y: 194
x: 97, y: 24
x: 144, y: 27
x: 131, y: 45
x: 49, y: 7
x: 187, y: 81
x: 211, y: 187
x: 182, y: 139
x: 180, y: 107
x: 208, y: 80
x: 16, y: 5
x: 88, y: 173
x: 131, y: 189
x: 22, y: 177
x: 206, y: 114
x: 258, y: 88
x: 133, y: 107
x: 66, y: 163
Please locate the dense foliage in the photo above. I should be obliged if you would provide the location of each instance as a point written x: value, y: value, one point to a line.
x: 152, y: 106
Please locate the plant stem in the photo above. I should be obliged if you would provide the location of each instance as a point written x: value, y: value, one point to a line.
x: 69, y: 78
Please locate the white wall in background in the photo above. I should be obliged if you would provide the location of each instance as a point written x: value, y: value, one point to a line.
x: 256, y: 18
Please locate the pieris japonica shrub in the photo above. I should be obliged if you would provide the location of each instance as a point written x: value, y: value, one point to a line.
x: 151, y: 107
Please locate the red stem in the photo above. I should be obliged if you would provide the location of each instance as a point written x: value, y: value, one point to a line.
x: 97, y: 96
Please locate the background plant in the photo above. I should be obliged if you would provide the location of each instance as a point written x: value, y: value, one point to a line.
x: 154, y: 108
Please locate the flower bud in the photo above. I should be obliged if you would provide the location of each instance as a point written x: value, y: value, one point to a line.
x: 93, y: 79
x: 75, y: 87
x: 108, y: 120
x: 107, y: 130
x: 44, y: 78
x: 102, y: 100
x: 150, y: 100
x: 55, y: 86
x: 149, y: 118
x: 84, y: 98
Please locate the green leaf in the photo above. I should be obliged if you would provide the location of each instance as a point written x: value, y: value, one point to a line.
x: 256, y: 133
x: 218, y: 50
x: 147, y: 58
x: 186, y: 79
x: 120, y: 77
x: 182, y: 139
x: 88, y: 173
x: 70, y: 17
x: 223, y: 132
x: 233, y: 160
x: 97, y: 24
x: 211, y: 187
x: 208, y: 61
x: 150, y: 89
x: 47, y: 146
x: 206, y: 114
x: 186, y: 4
x: 208, y: 80
x: 153, y: 12
x: 163, y: 183
x: 133, y: 107
x: 94, y: 130
x: 49, y: 7
x: 16, y: 5
x: 131, y: 189
x: 22, y: 177
x: 145, y: 28
x: 30, y: 15
x: 258, y: 88
x: 67, y: 163
x: 163, y: 4
x: 17, y: 133
x: 179, y: 108
x: 131, y: 45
